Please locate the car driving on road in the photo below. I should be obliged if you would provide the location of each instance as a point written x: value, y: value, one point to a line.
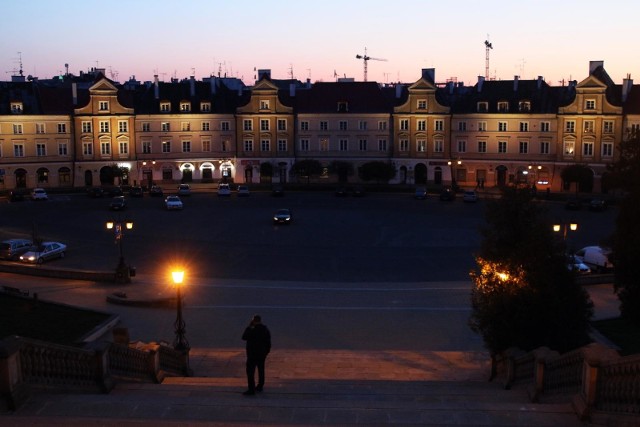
x: 173, y: 203
x: 44, y: 252
x: 282, y: 216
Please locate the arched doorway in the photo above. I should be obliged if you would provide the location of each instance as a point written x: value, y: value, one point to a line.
x: 88, y: 178
x: 187, y: 173
x: 64, y: 177
x: 248, y: 174
x: 437, y: 175
x: 501, y: 176
x: 206, y: 169
x: 403, y: 174
x: 21, y: 178
x: 420, y: 174
x: 106, y: 175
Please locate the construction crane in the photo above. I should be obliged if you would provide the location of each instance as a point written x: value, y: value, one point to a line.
x: 366, y: 59
x: 487, y: 46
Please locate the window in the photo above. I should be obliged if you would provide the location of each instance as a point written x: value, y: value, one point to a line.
x: 304, y: 125
x: 185, y: 126
x: 438, y: 146
x: 382, y: 125
x: 343, y: 125
x: 462, y: 126
x: 421, y: 145
x: 18, y: 150
x: 40, y: 129
x: 422, y: 104
x: 123, y: 126
x: 186, y: 146
x: 282, y: 145
x: 86, y: 127
x: 404, y: 145
x: 544, y: 147
x: 304, y: 145
x: 17, y: 129
x: 324, y: 125
x: 206, y: 145
x: 123, y: 147
x: 343, y: 107
x: 43, y: 175
x: 587, y: 148
x: 224, y: 146
x: 104, y: 126
x: 105, y: 148
x: 482, y: 146
x: 225, y: 126
x: 482, y: 126
x: 588, y: 126
x: 482, y: 107
x: 41, y: 149
x: 103, y: 105
x: 502, y: 126
x: 165, y: 126
x: 205, y: 107
x: 545, y: 126
x: 343, y: 145
x: 524, y: 147
x: 64, y: 175
x: 524, y: 106
x: 404, y: 124
x: 607, y: 126
x: 590, y: 104
x: 362, y: 125
x: 265, y: 145
x: 264, y: 125
x: 146, y: 147
x: 439, y: 125
x: 323, y: 144
x: 165, y: 107
x: 16, y: 107
x: 607, y: 149
x: 569, y: 147
x: 503, y: 107
x: 362, y: 144
x: 524, y: 126
x: 87, y: 148
x: 502, y: 146
x: 264, y: 104
x: 382, y: 145
x: 146, y: 127
x: 166, y: 146
x: 205, y: 126
x: 570, y: 126
x: 462, y: 146
x: 247, y: 125
x: 282, y: 124
x: 63, y: 149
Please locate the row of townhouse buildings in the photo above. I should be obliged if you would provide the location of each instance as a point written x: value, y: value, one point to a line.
x: 72, y: 131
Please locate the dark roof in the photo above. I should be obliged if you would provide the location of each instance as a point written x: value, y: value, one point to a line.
x: 361, y: 97
x: 632, y: 103
x: 19, y: 92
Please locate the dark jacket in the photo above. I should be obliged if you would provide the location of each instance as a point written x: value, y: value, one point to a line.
x: 258, y: 340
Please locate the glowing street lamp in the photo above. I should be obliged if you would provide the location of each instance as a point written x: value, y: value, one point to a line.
x: 180, y: 343
x: 565, y: 227
x: 123, y: 272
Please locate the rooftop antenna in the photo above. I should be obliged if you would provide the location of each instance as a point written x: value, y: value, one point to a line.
x: 291, y: 71
x: 487, y: 46
x: 366, y: 58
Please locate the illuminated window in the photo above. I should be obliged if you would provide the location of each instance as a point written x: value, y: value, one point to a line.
x: 588, y: 126
x: 16, y: 107
x: 185, y: 107
x: 569, y: 148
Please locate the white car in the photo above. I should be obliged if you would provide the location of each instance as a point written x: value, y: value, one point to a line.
x: 39, y: 194
x: 173, y: 203
x: 44, y: 252
x: 224, y: 190
x: 596, y: 257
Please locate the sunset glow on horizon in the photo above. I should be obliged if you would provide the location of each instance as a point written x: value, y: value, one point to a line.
x: 319, y: 40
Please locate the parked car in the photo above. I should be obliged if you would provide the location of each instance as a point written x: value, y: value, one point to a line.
x: 11, y: 249
x: 447, y: 194
x: 95, y: 192
x: 118, y: 203
x: 470, y: 196
x: 156, y: 191
x: 184, y: 190
x: 136, y: 191
x: 341, y: 192
x: 114, y: 191
x: 277, y: 191
x: 596, y: 257
x: 39, y: 194
x: 243, y: 191
x: 282, y: 216
x: 173, y: 203
x: 44, y: 252
x: 573, y: 204
x: 16, y: 196
x: 358, y: 192
x: 597, y: 205
x: 420, y: 193
x: 224, y: 190
x: 574, y: 263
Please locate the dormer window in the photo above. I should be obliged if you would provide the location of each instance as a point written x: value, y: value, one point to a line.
x: 185, y: 107
x: 422, y: 104
x: 165, y: 107
x: 264, y: 104
x: 205, y: 107
x: 343, y: 107
x: 103, y: 105
x: 524, y: 106
x: 503, y: 106
x: 483, y: 107
x: 16, y: 107
x: 590, y: 104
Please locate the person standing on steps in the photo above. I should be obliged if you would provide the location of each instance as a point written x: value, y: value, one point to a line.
x: 258, y: 340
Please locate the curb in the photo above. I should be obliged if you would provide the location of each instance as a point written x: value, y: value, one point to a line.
x: 121, y: 298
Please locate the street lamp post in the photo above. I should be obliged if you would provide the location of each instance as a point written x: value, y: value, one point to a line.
x: 123, y: 274
x: 565, y: 227
x: 180, y: 342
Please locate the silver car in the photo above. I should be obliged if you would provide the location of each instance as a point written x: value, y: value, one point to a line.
x: 173, y: 203
x: 44, y: 252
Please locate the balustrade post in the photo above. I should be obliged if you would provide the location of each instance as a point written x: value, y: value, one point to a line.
x: 12, y: 389
x: 595, y: 355
x: 153, y: 361
x: 510, y: 362
x: 541, y: 356
x: 103, y: 378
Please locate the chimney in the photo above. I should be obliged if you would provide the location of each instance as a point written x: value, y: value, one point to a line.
x: 480, y: 83
x: 192, y: 86
x: 398, y: 90
x: 74, y: 93
x: 429, y: 74
x: 292, y: 90
x: 156, y: 87
x: 213, y: 81
x: 627, y: 84
x: 264, y: 73
x: 515, y: 83
x: 451, y: 85
x: 540, y: 80
x: 595, y: 64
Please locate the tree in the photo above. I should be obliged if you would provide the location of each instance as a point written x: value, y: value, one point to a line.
x: 523, y: 295
x: 581, y: 175
x: 377, y: 171
x: 307, y: 167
